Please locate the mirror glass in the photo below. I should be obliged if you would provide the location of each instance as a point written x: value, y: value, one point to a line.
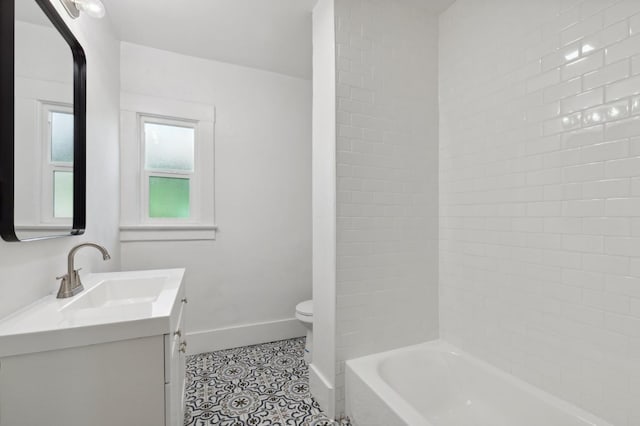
x: 44, y: 126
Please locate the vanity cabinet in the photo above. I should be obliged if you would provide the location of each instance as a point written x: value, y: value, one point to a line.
x: 175, y: 347
x: 130, y: 372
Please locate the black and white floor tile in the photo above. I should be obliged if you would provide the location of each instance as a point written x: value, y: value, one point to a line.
x: 254, y: 385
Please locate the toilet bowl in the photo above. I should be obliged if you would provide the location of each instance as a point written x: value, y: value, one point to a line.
x: 304, y: 313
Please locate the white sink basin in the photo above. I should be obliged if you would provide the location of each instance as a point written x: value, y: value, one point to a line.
x: 114, y: 306
x: 119, y: 292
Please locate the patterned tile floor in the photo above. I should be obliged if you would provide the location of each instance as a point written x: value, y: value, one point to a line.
x: 254, y: 385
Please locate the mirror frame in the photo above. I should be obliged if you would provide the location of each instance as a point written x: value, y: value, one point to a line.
x: 7, y: 120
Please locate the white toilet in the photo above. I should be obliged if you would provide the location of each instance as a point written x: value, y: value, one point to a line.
x: 304, y: 312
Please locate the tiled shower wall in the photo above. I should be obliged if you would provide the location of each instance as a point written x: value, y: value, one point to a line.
x: 540, y: 194
x: 387, y: 170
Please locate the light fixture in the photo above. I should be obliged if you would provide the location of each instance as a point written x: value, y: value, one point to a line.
x: 93, y: 8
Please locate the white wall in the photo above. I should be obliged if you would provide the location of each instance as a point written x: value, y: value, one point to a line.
x: 540, y: 242
x: 29, y: 269
x: 259, y: 266
x: 322, y: 371
x: 387, y: 179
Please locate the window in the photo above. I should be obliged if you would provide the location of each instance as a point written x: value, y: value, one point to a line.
x: 58, y: 163
x: 170, y: 173
x: 167, y: 176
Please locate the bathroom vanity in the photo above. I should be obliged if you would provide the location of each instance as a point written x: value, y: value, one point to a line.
x: 112, y: 355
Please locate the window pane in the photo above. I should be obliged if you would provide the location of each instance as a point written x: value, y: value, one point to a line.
x: 62, y: 137
x: 168, y: 197
x: 168, y: 147
x: 63, y: 194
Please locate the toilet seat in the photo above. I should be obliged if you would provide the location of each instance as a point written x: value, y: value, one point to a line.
x: 305, y: 308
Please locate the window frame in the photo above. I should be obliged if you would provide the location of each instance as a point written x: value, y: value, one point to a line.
x: 49, y: 167
x: 134, y: 222
x: 193, y: 176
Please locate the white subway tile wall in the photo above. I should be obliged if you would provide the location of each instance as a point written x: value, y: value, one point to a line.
x: 540, y: 194
x: 387, y: 172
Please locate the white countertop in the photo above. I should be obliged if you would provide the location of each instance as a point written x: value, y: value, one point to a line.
x: 49, y: 324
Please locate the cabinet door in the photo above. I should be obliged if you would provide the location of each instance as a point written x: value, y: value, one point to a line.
x: 110, y: 384
x: 182, y: 366
x: 175, y: 347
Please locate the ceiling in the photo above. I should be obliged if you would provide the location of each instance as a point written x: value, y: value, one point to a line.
x: 274, y: 35
x: 269, y: 34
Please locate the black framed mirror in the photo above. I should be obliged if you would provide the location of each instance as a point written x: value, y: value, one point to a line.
x: 43, y: 133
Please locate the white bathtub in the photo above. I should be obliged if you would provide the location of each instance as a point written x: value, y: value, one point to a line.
x: 435, y: 384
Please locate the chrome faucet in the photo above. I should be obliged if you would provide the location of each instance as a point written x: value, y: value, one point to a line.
x: 71, y: 284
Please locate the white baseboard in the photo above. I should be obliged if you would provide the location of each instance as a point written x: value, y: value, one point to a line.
x: 322, y: 391
x: 243, y: 335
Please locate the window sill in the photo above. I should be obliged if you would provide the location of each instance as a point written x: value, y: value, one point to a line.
x: 167, y: 233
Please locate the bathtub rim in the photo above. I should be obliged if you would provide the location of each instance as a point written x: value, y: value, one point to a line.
x: 366, y: 368
x: 361, y: 368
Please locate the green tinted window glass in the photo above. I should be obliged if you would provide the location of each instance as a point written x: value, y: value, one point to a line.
x: 168, y: 197
x: 168, y: 147
x: 61, y: 137
x: 63, y: 194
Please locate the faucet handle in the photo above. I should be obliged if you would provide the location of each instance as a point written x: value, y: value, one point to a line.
x: 66, y: 276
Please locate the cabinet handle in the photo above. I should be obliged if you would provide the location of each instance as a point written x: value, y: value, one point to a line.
x: 183, y: 347
x: 178, y: 333
x: 185, y: 300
